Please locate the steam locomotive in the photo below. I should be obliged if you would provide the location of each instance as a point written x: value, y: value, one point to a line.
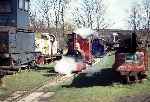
x: 84, y: 50
x: 16, y: 40
x: 130, y: 60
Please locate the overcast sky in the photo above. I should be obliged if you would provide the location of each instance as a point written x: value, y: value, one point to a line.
x: 117, y: 11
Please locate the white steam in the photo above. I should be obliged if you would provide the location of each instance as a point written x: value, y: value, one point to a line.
x: 66, y: 65
x: 84, y: 32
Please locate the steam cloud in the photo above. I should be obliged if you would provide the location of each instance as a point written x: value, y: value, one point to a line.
x: 66, y: 65
x: 84, y: 32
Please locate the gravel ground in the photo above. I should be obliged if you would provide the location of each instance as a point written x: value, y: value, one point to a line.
x: 144, y: 97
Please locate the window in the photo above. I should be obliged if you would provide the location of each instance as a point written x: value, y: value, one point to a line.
x: 132, y: 58
x: 27, y: 5
x: 21, y: 4
x: 5, y: 6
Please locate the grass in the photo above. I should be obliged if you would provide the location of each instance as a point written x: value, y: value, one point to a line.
x: 96, y: 93
x: 99, y: 93
x: 105, y: 62
x: 149, y: 50
x: 47, y: 65
x: 23, y: 81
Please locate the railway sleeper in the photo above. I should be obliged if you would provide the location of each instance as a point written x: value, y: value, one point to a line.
x: 7, y: 72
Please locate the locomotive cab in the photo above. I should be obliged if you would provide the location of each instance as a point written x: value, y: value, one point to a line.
x: 16, y: 40
x: 14, y: 13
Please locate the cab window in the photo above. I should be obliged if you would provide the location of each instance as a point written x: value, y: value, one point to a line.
x: 21, y: 4
x: 27, y: 5
x: 5, y: 6
x: 132, y: 58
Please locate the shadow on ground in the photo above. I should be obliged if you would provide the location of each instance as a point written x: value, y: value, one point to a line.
x: 44, y: 68
x: 104, y: 77
x: 47, y: 71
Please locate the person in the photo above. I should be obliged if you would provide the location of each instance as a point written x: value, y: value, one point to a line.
x: 79, y: 53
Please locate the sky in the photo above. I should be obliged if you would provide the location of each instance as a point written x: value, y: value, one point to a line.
x: 117, y: 11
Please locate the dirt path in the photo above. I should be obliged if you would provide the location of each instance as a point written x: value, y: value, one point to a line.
x: 39, y: 94
x: 144, y: 97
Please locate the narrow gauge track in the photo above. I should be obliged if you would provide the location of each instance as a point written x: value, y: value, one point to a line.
x: 19, y: 95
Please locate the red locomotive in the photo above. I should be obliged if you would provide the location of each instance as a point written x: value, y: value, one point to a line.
x: 132, y: 66
x: 131, y: 61
x: 80, y: 48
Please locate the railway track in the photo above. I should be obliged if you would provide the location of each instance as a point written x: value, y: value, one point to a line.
x: 27, y: 96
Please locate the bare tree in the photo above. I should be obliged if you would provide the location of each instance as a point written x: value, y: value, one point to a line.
x: 83, y: 16
x: 88, y: 8
x: 139, y: 21
x: 36, y: 24
x: 136, y: 23
x: 50, y: 13
x: 33, y: 21
x: 78, y: 18
x: 90, y: 14
x: 135, y: 18
x: 59, y: 7
x: 99, y: 15
x: 146, y: 4
x: 146, y: 19
x: 45, y: 7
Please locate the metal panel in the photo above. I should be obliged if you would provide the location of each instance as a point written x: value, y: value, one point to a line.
x: 25, y: 42
x: 22, y: 19
x: 23, y: 58
x: 22, y: 46
x: 12, y: 43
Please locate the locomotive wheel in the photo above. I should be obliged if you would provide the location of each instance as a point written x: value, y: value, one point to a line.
x: 142, y: 76
x: 19, y: 71
x: 136, y: 77
x: 31, y: 65
x: 132, y: 77
x: 128, y: 79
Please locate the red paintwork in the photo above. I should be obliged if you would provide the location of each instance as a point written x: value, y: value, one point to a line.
x: 40, y: 60
x: 85, y: 46
x: 123, y: 67
x: 76, y: 42
x: 131, y: 67
x: 80, y: 67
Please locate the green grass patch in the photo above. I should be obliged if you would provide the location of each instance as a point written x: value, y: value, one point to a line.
x: 105, y: 62
x: 46, y: 68
x: 99, y: 93
x: 50, y: 66
x: 38, y: 35
x: 24, y: 81
x: 149, y: 50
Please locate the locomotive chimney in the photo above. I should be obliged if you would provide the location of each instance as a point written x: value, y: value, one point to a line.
x: 133, y: 43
